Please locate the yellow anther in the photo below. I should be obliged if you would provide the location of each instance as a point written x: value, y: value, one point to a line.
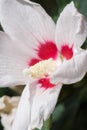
x: 42, y: 68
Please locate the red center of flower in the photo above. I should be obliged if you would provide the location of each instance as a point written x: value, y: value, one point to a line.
x: 45, y: 82
x: 44, y: 51
x: 67, y: 51
x: 33, y: 61
x: 47, y: 50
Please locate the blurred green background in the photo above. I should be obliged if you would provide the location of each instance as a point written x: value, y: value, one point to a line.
x: 71, y: 110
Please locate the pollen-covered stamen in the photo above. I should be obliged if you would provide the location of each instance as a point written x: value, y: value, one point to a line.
x: 41, y: 69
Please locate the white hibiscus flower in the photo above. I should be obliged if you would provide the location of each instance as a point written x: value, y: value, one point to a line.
x: 48, y: 54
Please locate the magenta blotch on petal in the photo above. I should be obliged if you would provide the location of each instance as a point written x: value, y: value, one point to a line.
x: 45, y: 83
x: 47, y: 50
x: 66, y: 51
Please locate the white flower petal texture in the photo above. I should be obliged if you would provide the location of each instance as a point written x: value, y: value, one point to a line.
x: 36, y: 105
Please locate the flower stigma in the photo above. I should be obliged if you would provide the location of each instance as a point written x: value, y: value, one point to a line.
x: 61, y: 57
x: 41, y: 69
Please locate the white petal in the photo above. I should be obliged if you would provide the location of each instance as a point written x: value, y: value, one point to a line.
x: 43, y: 104
x: 25, y: 21
x: 36, y: 105
x: 71, y: 71
x: 12, y: 62
x: 22, y: 118
x: 71, y: 27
